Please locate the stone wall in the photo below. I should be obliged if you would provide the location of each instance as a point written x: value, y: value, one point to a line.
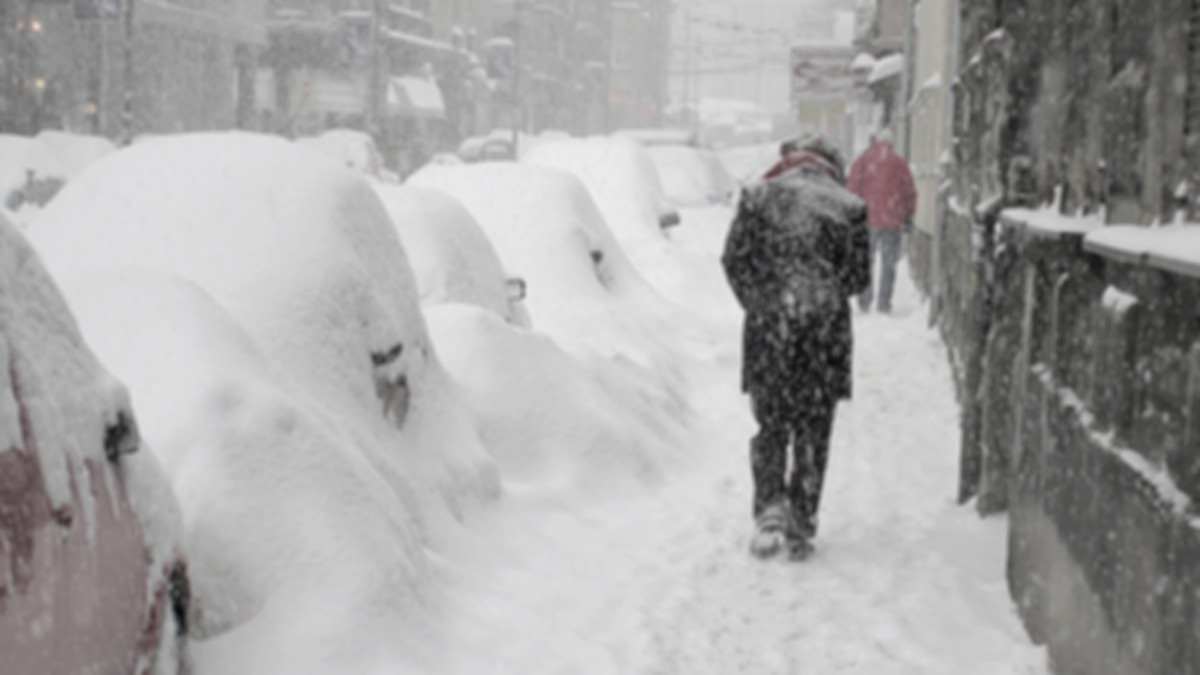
x: 1078, y: 366
x: 1087, y: 400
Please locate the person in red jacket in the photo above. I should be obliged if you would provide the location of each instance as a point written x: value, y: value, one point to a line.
x: 883, y: 180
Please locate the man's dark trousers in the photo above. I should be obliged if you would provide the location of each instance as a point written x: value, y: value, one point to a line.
x: 803, y: 422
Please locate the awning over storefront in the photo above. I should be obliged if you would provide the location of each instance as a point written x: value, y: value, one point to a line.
x: 886, y: 68
x: 415, y: 97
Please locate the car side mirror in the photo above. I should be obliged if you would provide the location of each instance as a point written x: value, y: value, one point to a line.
x: 120, y: 437
x: 516, y: 289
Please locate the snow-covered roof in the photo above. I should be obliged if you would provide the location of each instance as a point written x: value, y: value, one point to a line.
x: 887, y: 67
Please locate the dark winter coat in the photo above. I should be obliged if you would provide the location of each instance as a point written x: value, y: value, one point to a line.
x: 797, y: 250
x: 883, y: 180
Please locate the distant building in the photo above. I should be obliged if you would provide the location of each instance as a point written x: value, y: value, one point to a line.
x: 190, y: 65
x: 823, y: 91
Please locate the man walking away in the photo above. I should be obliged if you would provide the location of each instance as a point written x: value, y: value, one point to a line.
x: 797, y: 250
x: 883, y: 180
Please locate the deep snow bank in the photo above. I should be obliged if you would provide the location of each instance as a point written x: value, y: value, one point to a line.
x: 321, y: 401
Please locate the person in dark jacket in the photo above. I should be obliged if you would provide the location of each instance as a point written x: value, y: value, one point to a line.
x: 797, y: 250
x: 883, y: 180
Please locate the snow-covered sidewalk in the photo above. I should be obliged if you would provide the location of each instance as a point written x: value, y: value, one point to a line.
x: 904, y: 580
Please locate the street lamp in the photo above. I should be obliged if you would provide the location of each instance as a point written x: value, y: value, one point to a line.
x: 518, y: 112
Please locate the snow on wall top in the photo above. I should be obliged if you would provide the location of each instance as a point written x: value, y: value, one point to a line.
x: 1049, y: 222
x: 1174, y: 248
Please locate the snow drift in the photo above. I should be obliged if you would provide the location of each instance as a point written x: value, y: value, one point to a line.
x: 322, y: 447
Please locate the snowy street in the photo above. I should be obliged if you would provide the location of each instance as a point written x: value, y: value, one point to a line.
x: 904, y: 581
x: 476, y: 337
x: 373, y: 459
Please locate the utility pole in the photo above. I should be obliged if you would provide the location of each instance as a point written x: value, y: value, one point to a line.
x: 127, y: 126
x: 518, y: 109
x: 608, y: 64
x: 373, y: 113
x: 687, y: 66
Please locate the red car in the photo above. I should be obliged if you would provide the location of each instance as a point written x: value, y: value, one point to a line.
x: 92, y: 579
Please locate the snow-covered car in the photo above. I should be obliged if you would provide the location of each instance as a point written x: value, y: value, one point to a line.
x: 621, y: 178
x: 33, y: 169
x: 582, y: 289
x: 92, y: 575
x: 547, y: 407
x: 261, y: 307
x: 692, y: 177
x: 452, y: 258
x: 354, y: 149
